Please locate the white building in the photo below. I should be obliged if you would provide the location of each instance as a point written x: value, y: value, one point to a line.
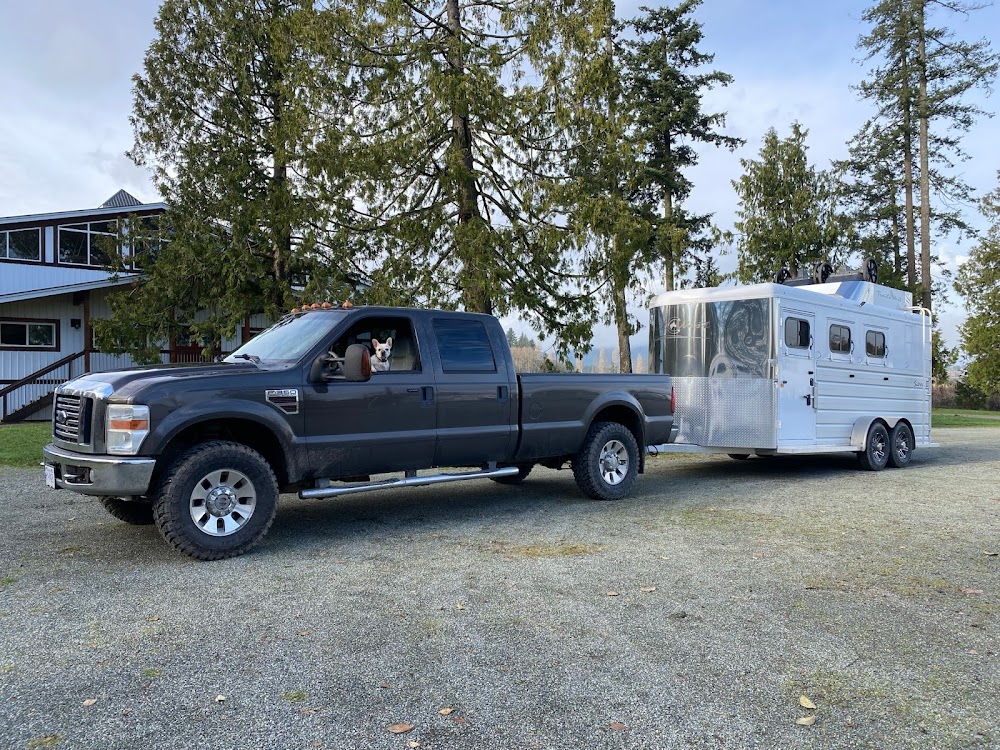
x: 53, y: 284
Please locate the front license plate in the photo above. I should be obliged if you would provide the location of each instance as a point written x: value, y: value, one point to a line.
x: 50, y: 475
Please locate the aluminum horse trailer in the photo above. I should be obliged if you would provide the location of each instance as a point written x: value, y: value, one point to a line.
x: 779, y: 368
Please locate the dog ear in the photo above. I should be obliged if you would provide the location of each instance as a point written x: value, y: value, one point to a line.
x: 375, y: 342
x: 388, y: 341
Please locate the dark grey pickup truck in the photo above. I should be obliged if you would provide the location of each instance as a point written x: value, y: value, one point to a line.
x: 314, y: 404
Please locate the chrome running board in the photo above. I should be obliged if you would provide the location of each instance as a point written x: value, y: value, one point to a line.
x: 408, y: 481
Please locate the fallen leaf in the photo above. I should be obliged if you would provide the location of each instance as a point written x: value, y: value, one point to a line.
x: 805, y: 702
x: 413, y: 743
x: 648, y: 589
x: 446, y: 711
x: 400, y: 728
x: 458, y: 719
x: 308, y: 711
x: 303, y: 632
x: 384, y: 685
x: 616, y: 725
x: 612, y: 593
x: 90, y: 701
x: 460, y: 607
x: 220, y: 699
x: 153, y: 618
x: 971, y: 591
x: 806, y: 721
x: 990, y: 554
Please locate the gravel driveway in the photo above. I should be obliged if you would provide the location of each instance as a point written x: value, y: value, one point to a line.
x: 527, y: 611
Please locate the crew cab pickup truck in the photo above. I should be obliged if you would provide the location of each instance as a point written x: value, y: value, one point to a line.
x: 203, y: 451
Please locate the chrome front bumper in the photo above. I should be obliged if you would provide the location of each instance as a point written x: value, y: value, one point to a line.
x: 116, y: 476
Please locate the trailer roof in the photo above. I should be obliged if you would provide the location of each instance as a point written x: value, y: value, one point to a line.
x: 849, y: 293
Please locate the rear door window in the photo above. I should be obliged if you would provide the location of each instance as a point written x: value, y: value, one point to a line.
x: 464, y: 346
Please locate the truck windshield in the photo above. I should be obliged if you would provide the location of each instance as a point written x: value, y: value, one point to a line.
x: 286, y: 341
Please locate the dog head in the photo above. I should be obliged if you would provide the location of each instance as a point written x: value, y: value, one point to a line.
x: 383, y: 351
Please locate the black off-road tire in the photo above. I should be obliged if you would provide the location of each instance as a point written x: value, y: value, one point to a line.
x: 522, y: 473
x: 135, y: 512
x: 588, y: 466
x: 172, y: 506
x: 875, y: 456
x: 900, y: 445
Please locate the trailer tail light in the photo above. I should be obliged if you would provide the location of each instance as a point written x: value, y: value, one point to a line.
x: 673, y: 400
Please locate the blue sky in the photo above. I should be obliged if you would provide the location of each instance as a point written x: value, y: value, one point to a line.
x: 66, y: 67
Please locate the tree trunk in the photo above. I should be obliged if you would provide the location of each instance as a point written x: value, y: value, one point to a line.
x: 897, y: 258
x: 911, y: 253
x: 475, y: 293
x: 669, y: 249
x: 925, y: 188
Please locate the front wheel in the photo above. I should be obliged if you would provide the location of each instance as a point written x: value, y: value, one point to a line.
x: 135, y: 512
x: 876, y: 453
x: 901, y: 443
x: 217, y: 500
x: 608, y: 463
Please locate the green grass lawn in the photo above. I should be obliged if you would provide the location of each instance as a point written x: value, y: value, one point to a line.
x: 964, y: 418
x: 21, y: 444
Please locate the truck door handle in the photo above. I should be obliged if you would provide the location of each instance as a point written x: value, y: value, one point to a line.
x: 502, y: 394
x: 427, y: 395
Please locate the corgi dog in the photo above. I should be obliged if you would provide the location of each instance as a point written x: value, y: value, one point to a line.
x: 380, y: 361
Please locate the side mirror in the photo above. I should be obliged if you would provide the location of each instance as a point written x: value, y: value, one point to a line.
x: 357, y: 364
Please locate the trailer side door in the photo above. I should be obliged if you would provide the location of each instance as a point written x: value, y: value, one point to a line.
x: 797, y: 378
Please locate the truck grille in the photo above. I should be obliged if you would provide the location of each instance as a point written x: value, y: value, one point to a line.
x: 69, y: 418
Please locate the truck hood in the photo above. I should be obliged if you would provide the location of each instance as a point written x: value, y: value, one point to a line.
x: 122, y: 385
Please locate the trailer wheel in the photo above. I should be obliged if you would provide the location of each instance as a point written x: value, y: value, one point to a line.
x: 739, y: 456
x: 901, y: 442
x: 608, y: 463
x: 135, y: 512
x: 522, y: 473
x: 876, y: 453
x: 215, y: 501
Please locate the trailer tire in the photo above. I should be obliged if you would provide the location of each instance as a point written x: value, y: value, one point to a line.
x: 900, y: 445
x: 216, y: 500
x: 135, y: 512
x: 875, y: 456
x: 608, y: 462
x: 522, y: 473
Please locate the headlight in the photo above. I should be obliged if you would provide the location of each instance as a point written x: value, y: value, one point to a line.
x: 127, y: 426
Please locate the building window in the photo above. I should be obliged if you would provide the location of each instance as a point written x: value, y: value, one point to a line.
x: 840, y: 339
x: 87, y: 244
x: 21, y: 244
x: 796, y: 333
x: 875, y: 344
x: 29, y: 334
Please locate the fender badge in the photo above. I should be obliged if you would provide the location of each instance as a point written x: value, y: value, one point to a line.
x: 286, y: 399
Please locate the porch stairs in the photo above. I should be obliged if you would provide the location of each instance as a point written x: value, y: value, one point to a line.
x: 33, y: 392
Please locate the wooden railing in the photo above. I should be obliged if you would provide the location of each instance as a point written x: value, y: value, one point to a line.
x: 35, y: 386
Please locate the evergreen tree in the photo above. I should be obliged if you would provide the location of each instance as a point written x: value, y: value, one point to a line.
x: 668, y: 82
x: 462, y: 142
x: 787, y: 211
x: 979, y: 284
x: 919, y: 83
x: 226, y: 113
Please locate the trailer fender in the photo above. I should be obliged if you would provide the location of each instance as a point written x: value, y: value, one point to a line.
x: 859, y: 435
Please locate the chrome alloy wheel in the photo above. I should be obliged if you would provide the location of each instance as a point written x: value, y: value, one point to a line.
x: 614, y: 462
x: 878, y: 446
x: 222, y: 502
x: 902, y: 446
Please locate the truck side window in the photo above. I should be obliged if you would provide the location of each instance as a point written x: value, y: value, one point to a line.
x: 875, y: 344
x: 840, y: 339
x: 796, y: 333
x: 464, y: 346
x: 403, y: 353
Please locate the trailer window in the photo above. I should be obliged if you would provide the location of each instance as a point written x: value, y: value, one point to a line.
x: 796, y: 333
x: 840, y: 339
x: 875, y: 344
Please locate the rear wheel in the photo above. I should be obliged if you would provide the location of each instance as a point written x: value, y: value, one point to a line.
x: 522, y: 473
x: 608, y: 463
x: 876, y: 453
x: 901, y: 443
x: 135, y: 512
x: 217, y: 500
